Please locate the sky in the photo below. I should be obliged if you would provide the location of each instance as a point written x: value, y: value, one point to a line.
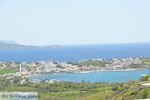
x: 70, y: 22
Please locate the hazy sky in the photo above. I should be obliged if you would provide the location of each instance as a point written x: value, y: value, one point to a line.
x: 46, y: 22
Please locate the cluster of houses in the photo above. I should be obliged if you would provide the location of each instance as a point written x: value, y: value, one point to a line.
x: 124, y: 62
x: 39, y: 81
x: 113, y: 64
x: 49, y: 67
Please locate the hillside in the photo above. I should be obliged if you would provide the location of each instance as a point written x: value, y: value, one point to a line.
x: 5, y: 46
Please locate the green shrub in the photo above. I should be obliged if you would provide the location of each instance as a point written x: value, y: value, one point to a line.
x: 145, y: 78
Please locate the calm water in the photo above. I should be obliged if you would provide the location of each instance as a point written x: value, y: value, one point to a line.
x: 107, y: 76
x: 76, y: 53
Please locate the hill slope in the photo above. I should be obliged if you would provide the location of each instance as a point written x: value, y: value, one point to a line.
x: 14, y: 46
x: 4, y: 46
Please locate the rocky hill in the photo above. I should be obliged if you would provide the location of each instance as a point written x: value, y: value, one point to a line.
x: 5, y: 46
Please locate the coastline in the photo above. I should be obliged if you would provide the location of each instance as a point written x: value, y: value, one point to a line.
x: 129, y: 69
x: 85, y: 72
x: 100, y: 76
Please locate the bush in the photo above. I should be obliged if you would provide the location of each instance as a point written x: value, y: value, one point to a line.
x: 145, y: 78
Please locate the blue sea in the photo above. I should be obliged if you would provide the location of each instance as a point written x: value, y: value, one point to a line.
x: 77, y: 52
x: 103, y: 76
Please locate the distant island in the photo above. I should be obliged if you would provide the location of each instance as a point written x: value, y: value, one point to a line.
x: 6, y: 46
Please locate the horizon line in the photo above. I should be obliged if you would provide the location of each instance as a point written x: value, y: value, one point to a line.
x: 107, y: 43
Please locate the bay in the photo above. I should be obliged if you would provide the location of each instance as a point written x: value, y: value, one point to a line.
x: 102, y: 76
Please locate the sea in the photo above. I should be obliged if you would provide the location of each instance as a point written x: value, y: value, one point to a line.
x: 102, y: 76
x: 74, y: 53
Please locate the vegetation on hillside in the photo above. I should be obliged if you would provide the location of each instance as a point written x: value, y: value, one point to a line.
x: 78, y: 91
x: 89, y: 63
